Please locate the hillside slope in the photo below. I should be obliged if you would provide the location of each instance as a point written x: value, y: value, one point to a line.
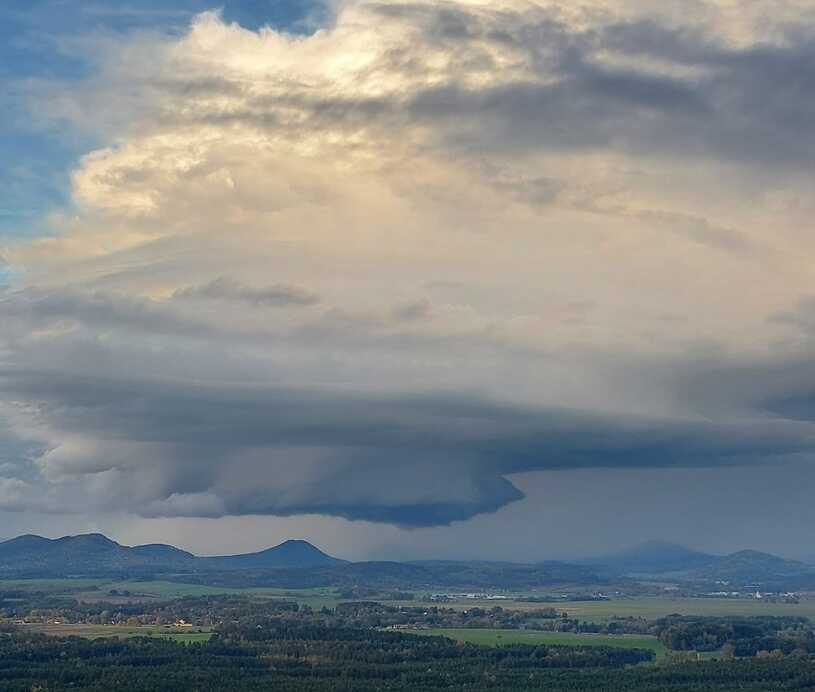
x: 95, y: 554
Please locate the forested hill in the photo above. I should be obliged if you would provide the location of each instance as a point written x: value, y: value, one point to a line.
x: 739, y: 570
x: 656, y: 557
x: 297, y: 563
x: 92, y: 554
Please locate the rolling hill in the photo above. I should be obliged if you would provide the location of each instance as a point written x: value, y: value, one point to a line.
x: 294, y: 563
x: 741, y: 570
x: 297, y: 563
x: 95, y: 554
x: 748, y: 568
x: 290, y: 554
x: 656, y: 557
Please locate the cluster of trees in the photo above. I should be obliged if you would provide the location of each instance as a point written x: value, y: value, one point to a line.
x: 743, y: 636
x: 202, y: 611
x: 374, y: 614
x: 385, y: 577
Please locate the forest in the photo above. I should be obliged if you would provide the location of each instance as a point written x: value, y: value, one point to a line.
x: 280, y: 646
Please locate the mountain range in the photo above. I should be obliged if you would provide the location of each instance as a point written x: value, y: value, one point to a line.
x: 94, y: 553
x: 299, y: 563
x: 741, y: 569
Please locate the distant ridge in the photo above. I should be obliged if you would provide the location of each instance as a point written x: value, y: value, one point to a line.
x: 94, y: 553
x: 742, y: 569
x: 657, y: 557
x: 762, y: 568
x: 299, y: 564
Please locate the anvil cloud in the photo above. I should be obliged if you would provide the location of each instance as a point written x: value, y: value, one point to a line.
x: 378, y: 270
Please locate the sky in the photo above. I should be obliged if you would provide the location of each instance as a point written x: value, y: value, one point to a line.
x: 511, y: 280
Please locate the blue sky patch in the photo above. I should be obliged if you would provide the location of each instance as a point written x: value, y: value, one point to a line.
x: 34, y: 178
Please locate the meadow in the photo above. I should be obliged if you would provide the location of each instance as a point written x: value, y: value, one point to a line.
x: 315, y: 598
x: 92, y: 590
x: 656, y: 607
x: 181, y: 635
x: 648, y: 607
x: 493, y: 637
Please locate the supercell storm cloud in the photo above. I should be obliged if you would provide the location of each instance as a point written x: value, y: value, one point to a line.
x: 375, y: 269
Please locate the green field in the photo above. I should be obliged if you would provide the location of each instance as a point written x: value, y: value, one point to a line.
x: 99, y: 589
x: 185, y: 635
x: 650, y: 607
x: 316, y: 598
x: 489, y: 637
x: 49, y: 585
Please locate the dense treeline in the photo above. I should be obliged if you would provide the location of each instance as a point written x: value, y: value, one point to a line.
x: 406, y: 576
x: 263, y: 653
x: 310, y: 640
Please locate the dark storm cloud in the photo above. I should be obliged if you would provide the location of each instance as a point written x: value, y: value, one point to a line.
x: 771, y: 389
x: 364, y: 444
x: 783, y: 390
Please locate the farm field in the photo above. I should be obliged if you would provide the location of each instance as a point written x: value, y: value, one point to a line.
x: 316, y: 598
x: 49, y: 585
x: 490, y: 637
x: 650, y: 607
x: 185, y: 635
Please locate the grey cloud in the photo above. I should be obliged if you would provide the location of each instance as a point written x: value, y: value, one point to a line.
x: 774, y: 389
x: 697, y: 229
x: 410, y: 312
x: 750, y: 104
x: 97, y: 308
x: 224, y: 288
x: 802, y: 317
x: 412, y: 460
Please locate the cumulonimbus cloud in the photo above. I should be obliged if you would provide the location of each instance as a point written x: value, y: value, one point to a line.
x: 375, y: 271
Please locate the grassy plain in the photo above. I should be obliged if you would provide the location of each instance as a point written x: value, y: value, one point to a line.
x: 655, y: 607
x: 649, y: 607
x: 91, y: 590
x: 497, y: 637
x: 316, y: 598
x: 49, y: 585
x: 185, y: 635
